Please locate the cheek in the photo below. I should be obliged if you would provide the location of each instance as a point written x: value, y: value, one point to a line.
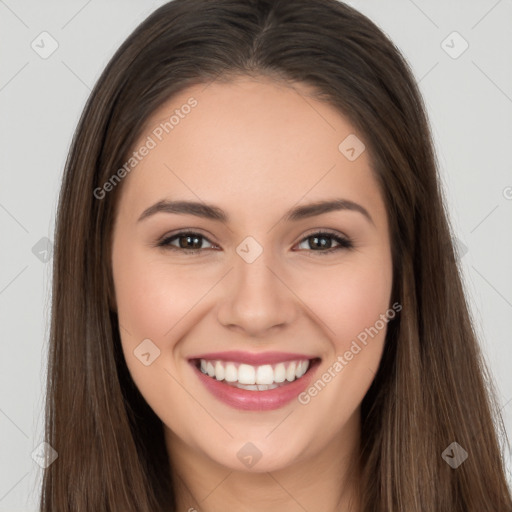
x: 351, y: 298
x: 153, y: 297
x: 152, y: 301
x: 351, y: 304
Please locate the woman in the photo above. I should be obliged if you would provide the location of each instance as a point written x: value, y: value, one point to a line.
x: 317, y: 353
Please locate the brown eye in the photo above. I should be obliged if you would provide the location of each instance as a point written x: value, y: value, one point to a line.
x: 322, y: 242
x: 319, y: 242
x: 187, y: 241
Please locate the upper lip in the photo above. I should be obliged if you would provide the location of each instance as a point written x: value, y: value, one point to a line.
x: 254, y: 359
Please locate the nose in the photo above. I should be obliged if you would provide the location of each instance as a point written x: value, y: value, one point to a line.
x: 256, y: 297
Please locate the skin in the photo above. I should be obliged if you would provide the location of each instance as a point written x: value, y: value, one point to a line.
x: 255, y: 148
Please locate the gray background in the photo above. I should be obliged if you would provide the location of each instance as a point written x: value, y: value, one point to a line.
x: 469, y: 101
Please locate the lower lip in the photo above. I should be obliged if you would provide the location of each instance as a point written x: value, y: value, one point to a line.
x: 257, y: 400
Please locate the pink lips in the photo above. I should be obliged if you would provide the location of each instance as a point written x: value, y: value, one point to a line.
x: 255, y: 400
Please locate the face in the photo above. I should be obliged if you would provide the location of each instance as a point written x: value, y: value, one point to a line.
x: 251, y: 278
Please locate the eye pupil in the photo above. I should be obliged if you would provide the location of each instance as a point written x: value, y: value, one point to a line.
x: 183, y: 245
x: 323, y: 244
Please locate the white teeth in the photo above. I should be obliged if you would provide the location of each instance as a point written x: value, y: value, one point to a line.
x: 246, y: 376
x: 301, y: 369
x: 231, y: 373
x: 251, y: 387
x: 254, y: 387
x: 219, y: 371
x: 279, y: 373
x: 290, y: 372
x: 264, y: 374
x: 264, y: 387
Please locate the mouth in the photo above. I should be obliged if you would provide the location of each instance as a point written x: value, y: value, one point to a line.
x: 254, y: 378
x: 261, y: 386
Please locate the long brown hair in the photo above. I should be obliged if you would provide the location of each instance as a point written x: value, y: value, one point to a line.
x: 432, y: 387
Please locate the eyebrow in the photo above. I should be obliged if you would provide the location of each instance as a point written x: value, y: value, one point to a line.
x: 212, y: 212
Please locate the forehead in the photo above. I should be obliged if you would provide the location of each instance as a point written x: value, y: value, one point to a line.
x: 250, y: 144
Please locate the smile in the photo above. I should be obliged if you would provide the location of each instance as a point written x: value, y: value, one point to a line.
x: 255, y: 382
x: 254, y: 378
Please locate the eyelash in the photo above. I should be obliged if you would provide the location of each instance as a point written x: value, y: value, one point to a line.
x: 344, y: 243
